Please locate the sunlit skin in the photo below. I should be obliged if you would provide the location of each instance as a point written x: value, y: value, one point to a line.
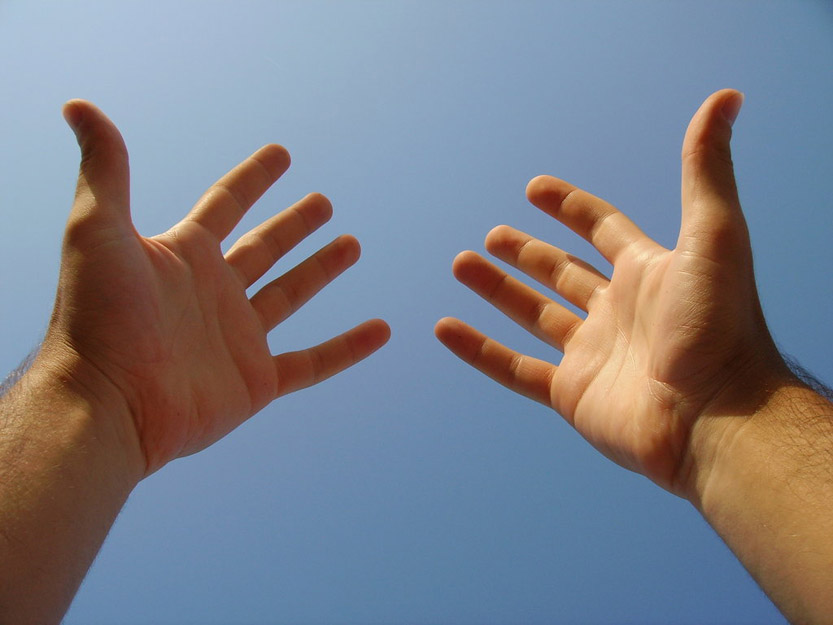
x: 161, y: 329
x: 671, y: 370
x: 155, y: 350
x: 666, y: 340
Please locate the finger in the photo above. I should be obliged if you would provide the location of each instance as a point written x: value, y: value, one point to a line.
x: 570, y: 277
x: 712, y: 221
x: 528, y: 376
x: 283, y: 296
x: 257, y: 250
x: 297, y: 370
x: 227, y: 200
x: 546, y: 319
x: 103, y: 191
x: 602, y: 224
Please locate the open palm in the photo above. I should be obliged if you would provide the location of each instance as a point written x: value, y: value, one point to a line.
x: 672, y: 337
x: 164, y: 324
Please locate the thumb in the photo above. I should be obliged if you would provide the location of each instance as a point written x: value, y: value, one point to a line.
x: 712, y: 220
x: 103, y: 191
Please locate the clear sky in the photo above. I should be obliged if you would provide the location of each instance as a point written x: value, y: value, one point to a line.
x: 411, y: 489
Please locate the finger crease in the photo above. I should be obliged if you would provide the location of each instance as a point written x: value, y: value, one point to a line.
x: 235, y: 197
x: 323, y: 268
x: 480, y: 353
x: 317, y: 364
x: 514, y: 368
x: 287, y: 301
x: 273, y: 243
x: 522, y: 247
x: 597, y: 226
x: 497, y: 286
x: 557, y: 272
x: 539, y: 309
x: 269, y: 177
x: 304, y: 219
x: 570, y: 197
x: 350, y: 346
x: 570, y: 331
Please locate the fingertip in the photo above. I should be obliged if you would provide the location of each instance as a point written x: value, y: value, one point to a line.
x: 545, y: 190
x: 458, y: 337
x: 463, y: 262
x: 351, y: 246
x: 104, y: 170
x: 536, y: 182
x: 384, y: 329
x: 711, y: 207
x: 376, y: 333
x: 315, y: 209
x: 732, y: 104
x: 464, y: 256
x: 721, y: 106
x: 277, y: 152
x: 275, y: 158
x: 92, y: 127
x: 321, y: 204
x: 338, y: 255
x: 73, y: 113
x: 498, y: 237
x: 78, y: 112
x: 446, y: 327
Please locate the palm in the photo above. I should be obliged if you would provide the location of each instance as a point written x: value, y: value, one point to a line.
x: 613, y: 362
x: 166, y: 321
x: 635, y: 375
x: 181, y: 333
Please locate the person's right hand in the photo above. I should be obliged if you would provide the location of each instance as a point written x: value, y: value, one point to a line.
x: 159, y: 332
x: 670, y: 339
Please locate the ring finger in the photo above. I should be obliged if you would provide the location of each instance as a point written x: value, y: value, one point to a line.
x: 572, y: 278
x: 283, y: 296
x: 539, y: 315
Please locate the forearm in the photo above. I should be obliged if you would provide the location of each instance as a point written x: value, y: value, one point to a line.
x: 768, y: 492
x: 63, y: 479
x: 15, y: 375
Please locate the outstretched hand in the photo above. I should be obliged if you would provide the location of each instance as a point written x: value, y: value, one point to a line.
x: 670, y: 339
x: 160, y: 331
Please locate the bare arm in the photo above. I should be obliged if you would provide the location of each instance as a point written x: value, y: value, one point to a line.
x: 154, y: 351
x: 672, y: 371
x: 767, y: 488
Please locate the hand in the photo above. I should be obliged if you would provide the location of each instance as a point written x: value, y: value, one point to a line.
x: 159, y: 331
x: 670, y: 339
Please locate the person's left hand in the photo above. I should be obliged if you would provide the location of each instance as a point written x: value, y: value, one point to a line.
x: 159, y: 331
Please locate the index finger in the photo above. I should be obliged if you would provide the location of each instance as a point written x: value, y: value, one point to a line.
x: 224, y: 203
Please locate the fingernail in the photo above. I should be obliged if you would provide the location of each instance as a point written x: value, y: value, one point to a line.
x: 72, y: 115
x: 731, y: 107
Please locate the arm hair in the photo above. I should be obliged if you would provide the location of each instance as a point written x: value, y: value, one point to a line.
x: 14, y: 376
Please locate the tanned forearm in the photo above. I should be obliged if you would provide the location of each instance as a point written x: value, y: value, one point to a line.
x: 15, y: 375
x: 765, y: 484
x: 64, y: 477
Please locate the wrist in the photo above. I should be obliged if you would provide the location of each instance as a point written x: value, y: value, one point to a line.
x: 764, y: 482
x: 67, y: 465
x: 785, y: 418
x: 89, y: 410
x: 726, y: 418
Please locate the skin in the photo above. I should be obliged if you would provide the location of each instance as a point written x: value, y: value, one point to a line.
x: 154, y: 351
x: 672, y: 372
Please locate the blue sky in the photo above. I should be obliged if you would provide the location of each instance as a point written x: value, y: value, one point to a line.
x: 411, y: 489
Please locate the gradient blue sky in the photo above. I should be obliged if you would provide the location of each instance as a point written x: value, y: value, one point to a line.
x: 411, y: 489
